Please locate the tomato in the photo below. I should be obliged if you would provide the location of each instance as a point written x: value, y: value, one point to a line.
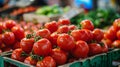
x: 89, y: 35
x: 64, y: 22
x: 8, y: 38
x: 87, y: 24
x: 111, y: 33
x: 42, y: 47
x: 98, y: 34
x: 116, y: 24
x: 16, y: 45
x: 81, y: 49
x: 52, y: 26
x: 2, y: 27
x: 116, y: 44
x: 27, y: 44
x: 0, y: 51
x: 72, y: 27
x: 108, y: 42
x: 30, y: 61
x: 94, y: 49
x: 59, y: 56
x: 7, y: 49
x: 65, y: 42
x: 1, y: 40
x: 18, y: 32
x: 53, y: 38
x: 80, y: 35
x: 46, y: 62
x: 118, y: 34
x: 10, y: 23
x: 104, y: 47
x: 63, y: 29
x: 45, y: 33
x: 17, y: 55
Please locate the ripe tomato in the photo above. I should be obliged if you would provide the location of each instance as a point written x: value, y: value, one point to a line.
x: 16, y: 45
x: 46, y: 62
x: 108, y: 42
x: 116, y: 44
x: 27, y: 44
x: 87, y: 24
x: 104, y: 47
x: 98, y: 34
x: 8, y: 38
x: 18, y: 32
x: 52, y: 26
x: 42, y: 47
x: 63, y: 29
x: 59, y: 56
x: 72, y: 27
x: 0, y: 51
x: 2, y: 27
x: 65, y: 42
x: 89, y: 35
x: 63, y: 22
x: 7, y: 49
x: 94, y: 49
x: 30, y: 61
x: 116, y: 24
x: 10, y: 23
x: 118, y: 34
x: 17, y: 55
x: 45, y: 33
x: 81, y: 49
x: 80, y: 35
x: 111, y: 33
x: 1, y: 40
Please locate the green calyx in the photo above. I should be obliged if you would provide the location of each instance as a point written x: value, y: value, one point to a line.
x: 37, y: 38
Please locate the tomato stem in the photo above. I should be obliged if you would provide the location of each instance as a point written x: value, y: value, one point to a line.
x: 37, y: 38
x: 24, y: 54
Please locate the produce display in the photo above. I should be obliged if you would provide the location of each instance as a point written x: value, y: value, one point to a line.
x: 100, y: 17
x: 59, y: 42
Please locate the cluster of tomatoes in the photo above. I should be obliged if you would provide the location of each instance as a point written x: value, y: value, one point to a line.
x: 57, y: 43
x: 112, y: 35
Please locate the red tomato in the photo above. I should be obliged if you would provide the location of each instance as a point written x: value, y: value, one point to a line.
x: 2, y: 27
x: 104, y: 47
x: 45, y: 33
x: 42, y: 47
x: 18, y: 32
x: 108, y: 42
x: 94, y: 49
x: 98, y: 34
x: 1, y: 42
x: 10, y: 23
x: 72, y: 27
x: 63, y: 22
x: 80, y: 35
x: 118, y: 34
x: 16, y: 45
x: 59, y: 56
x: 81, y: 49
x: 111, y: 33
x: 27, y: 44
x: 16, y: 54
x: 63, y: 29
x: 30, y: 61
x: 116, y: 44
x: 65, y: 42
x: 8, y: 38
x: 46, y: 62
x: 7, y: 49
x: 0, y: 51
x: 89, y: 35
x: 52, y: 26
x: 87, y: 24
x: 116, y: 24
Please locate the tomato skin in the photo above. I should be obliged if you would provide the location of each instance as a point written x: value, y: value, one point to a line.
x: 116, y: 44
x: 110, y: 34
x: 108, y: 42
x: 65, y: 42
x: 87, y: 24
x: 72, y: 27
x: 0, y: 51
x: 59, y: 56
x: 10, y: 23
x: 42, y: 47
x: 98, y: 34
x: 89, y: 35
x: 16, y: 54
x: 116, y: 24
x: 81, y: 49
x: 1, y: 42
x: 7, y: 49
x: 8, y: 38
x: 52, y: 26
x: 2, y: 27
x: 64, y: 22
x: 94, y: 49
x: 46, y: 62
x: 27, y: 44
x: 63, y: 29
x: 30, y: 61
x: 18, y: 32
x: 45, y: 33
x: 118, y: 34
x: 104, y: 48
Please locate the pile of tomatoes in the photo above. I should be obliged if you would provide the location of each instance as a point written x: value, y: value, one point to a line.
x: 58, y: 43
